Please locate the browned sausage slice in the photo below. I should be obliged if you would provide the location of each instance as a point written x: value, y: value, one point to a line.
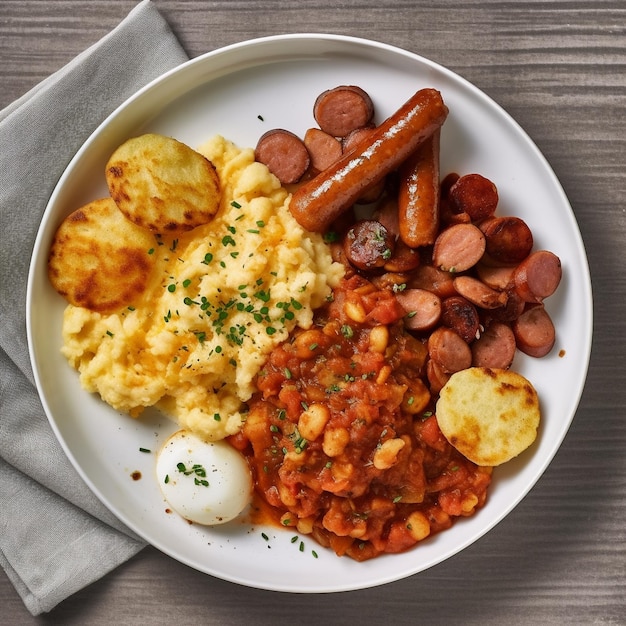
x: 449, y: 350
x: 495, y: 348
x: 387, y: 214
x: 534, y: 331
x: 478, y: 293
x: 496, y: 276
x: 458, y: 247
x: 284, y: 154
x: 403, y: 259
x: 418, y: 194
x: 423, y: 308
x: 368, y: 245
x: 432, y: 279
x: 341, y: 110
x: 437, y: 378
x: 324, y: 149
x: 508, y: 239
x: 353, y: 138
x: 461, y: 316
x: 475, y: 195
x: 538, y: 276
x: 318, y: 203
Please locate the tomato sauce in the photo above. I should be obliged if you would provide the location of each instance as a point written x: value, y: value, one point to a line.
x: 341, y: 435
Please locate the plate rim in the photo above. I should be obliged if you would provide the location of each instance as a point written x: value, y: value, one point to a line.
x: 370, y: 45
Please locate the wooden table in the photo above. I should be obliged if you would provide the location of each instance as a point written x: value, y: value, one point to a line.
x: 559, y: 68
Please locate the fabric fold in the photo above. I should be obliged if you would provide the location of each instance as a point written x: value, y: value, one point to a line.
x: 56, y: 537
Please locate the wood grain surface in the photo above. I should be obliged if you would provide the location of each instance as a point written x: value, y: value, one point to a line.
x: 559, y: 68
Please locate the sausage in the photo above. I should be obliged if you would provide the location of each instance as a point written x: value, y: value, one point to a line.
x: 534, y: 331
x: 403, y: 259
x: 508, y: 239
x: 432, y: 279
x: 350, y: 141
x: 448, y: 213
x: 317, y: 203
x: 475, y: 195
x: 496, y: 276
x: 284, y: 154
x: 538, y: 276
x: 511, y: 310
x: 449, y: 350
x: 324, y: 149
x: 418, y: 194
x: 387, y: 214
x: 423, y: 308
x: 458, y: 247
x: 368, y: 245
x: 495, y: 348
x: 478, y: 293
x: 461, y: 316
x: 437, y: 378
x: 340, y: 110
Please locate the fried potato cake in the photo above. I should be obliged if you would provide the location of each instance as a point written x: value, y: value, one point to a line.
x: 489, y: 415
x: 99, y: 259
x: 162, y: 184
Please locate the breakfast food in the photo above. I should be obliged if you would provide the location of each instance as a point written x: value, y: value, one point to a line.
x: 162, y: 184
x: 351, y: 336
x: 100, y: 260
x: 342, y: 438
x: 317, y: 203
x: 206, y: 482
x: 218, y: 299
x: 418, y: 194
x: 489, y: 415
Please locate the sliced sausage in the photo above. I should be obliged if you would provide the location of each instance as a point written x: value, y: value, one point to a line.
x: 508, y: 239
x: 478, y: 293
x: 437, y: 378
x: 461, y: 316
x: 511, y: 310
x: 387, y: 214
x: 423, y: 308
x: 317, y: 203
x: 340, y: 110
x: 534, y: 331
x: 432, y: 279
x: 324, y: 149
x: 458, y: 247
x: 475, y: 195
x: 284, y: 154
x: 495, y: 348
x: 449, y: 350
x: 538, y: 276
x: 368, y: 245
x: 418, y: 194
x: 403, y: 259
x: 496, y: 276
x: 350, y: 141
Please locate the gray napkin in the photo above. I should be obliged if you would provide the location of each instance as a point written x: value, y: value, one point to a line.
x: 55, y: 535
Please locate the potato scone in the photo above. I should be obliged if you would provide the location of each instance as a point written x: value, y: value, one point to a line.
x: 99, y: 260
x: 489, y: 415
x: 162, y: 184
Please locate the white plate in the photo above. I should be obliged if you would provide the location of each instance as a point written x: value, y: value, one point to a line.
x: 240, y: 92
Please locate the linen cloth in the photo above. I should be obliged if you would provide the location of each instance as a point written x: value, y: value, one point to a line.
x: 55, y: 535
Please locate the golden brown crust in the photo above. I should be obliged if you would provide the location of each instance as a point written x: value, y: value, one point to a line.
x: 100, y: 260
x: 489, y: 415
x: 162, y: 184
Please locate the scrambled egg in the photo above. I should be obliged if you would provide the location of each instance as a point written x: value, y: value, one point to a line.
x: 219, y: 299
